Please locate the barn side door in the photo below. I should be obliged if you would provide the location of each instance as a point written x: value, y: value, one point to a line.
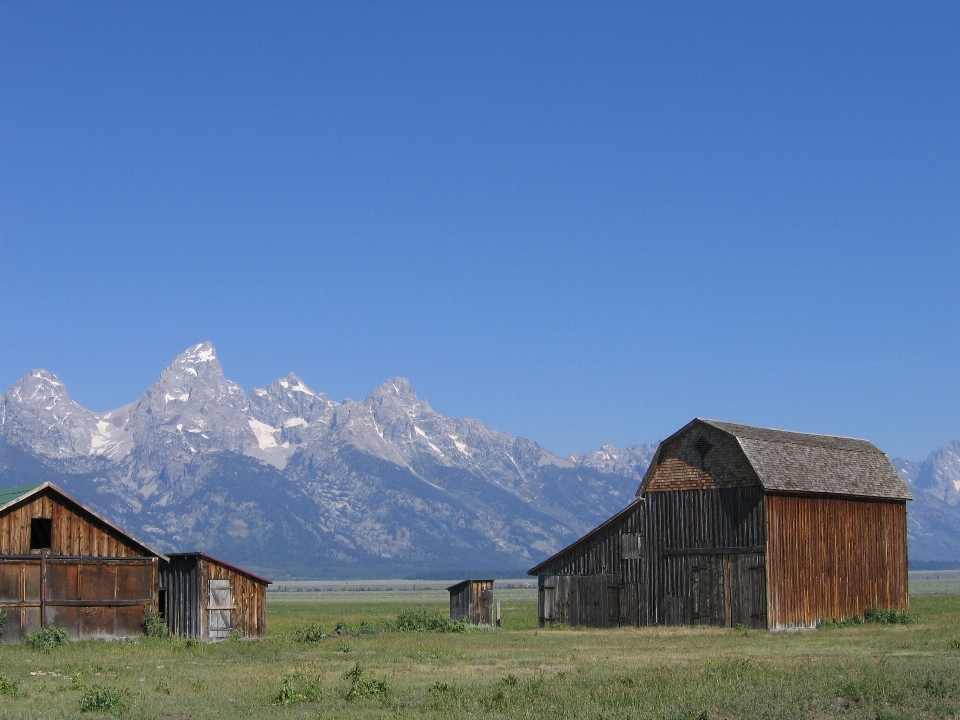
x: 707, y: 591
x: 220, y: 608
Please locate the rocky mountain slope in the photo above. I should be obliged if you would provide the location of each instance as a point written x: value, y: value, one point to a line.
x: 292, y: 483
x: 934, y: 514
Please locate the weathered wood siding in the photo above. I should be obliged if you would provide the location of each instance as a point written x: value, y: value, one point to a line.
x: 473, y: 602
x: 180, y: 584
x: 195, y: 609
x: 600, y: 582
x: 74, y: 532
x: 91, y: 598
x: 248, y: 612
x: 707, y: 552
x: 832, y: 557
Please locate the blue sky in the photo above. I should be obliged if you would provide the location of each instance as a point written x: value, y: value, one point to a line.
x: 577, y: 222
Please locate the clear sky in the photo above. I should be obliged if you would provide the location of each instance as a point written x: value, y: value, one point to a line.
x: 577, y: 222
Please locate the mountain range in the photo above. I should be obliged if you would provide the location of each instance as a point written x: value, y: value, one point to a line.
x: 290, y: 483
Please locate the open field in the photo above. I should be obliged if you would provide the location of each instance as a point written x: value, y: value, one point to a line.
x: 867, y: 671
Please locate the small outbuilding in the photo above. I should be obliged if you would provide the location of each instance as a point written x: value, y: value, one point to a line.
x: 63, y: 565
x: 472, y: 600
x: 203, y: 597
x: 741, y: 525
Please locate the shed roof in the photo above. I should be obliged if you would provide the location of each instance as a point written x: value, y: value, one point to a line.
x: 463, y: 583
x: 235, y: 568
x: 804, y: 463
x: 606, y: 523
x: 13, y: 495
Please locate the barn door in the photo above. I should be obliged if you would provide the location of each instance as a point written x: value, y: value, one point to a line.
x: 219, y: 608
x: 707, y: 591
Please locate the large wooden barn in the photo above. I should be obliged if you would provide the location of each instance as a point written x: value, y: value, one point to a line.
x: 63, y: 565
x: 734, y: 525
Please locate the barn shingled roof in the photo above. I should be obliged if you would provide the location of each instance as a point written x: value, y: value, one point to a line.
x: 799, y: 462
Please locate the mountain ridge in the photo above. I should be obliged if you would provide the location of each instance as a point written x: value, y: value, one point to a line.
x: 380, y: 485
x: 298, y: 485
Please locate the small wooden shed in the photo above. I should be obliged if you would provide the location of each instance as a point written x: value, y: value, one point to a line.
x: 735, y: 524
x: 472, y: 600
x: 207, y: 598
x: 63, y: 565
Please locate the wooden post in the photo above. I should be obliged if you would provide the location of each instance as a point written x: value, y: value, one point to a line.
x: 498, y: 612
x: 43, y: 588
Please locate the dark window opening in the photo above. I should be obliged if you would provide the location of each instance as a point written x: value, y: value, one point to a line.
x: 703, y: 447
x: 41, y: 533
x: 162, y: 601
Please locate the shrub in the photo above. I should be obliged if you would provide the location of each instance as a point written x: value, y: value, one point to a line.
x: 877, y: 614
x: 3, y: 620
x: 362, y: 687
x: 8, y: 686
x: 423, y: 621
x: 342, y: 629
x: 47, y: 638
x: 99, y: 697
x: 154, y: 626
x: 311, y: 633
x: 296, y: 688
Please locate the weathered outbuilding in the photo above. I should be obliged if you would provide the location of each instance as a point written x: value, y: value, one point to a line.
x: 207, y: 598
x: 735, y: 524
x: 61, y: 564
x: 472, y: 600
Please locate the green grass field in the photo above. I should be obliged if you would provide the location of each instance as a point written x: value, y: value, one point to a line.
x: 867, y: 671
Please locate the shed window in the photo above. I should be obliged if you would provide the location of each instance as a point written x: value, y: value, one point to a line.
x: 41, y: 533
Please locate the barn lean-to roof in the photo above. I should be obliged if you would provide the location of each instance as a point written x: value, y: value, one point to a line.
x: 605, y: 524
x: 794, y: 462
x: 13, y: 495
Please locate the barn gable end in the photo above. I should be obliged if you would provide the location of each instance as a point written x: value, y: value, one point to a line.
x: 63, y: 565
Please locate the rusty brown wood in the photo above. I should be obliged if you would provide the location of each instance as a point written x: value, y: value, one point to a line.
x: 834, y: 557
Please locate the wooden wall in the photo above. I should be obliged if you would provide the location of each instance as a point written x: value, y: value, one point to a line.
x: 473, y: 602
x: 91, y: 598
x: 249, y: 612
x: 75, y: 532
x: 834, y: 557
x: 707, y: 557
x: 599, y: 582
x: 181, y: 587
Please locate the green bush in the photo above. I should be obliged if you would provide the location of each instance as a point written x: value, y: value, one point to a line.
x: 296, y: 689
x: 8, y: 686
x: 3, y: 620
x: 99, y: 697
x: 424, y: 621
x: 154, y: 625
x: 311, y: 633
x: 877, y: 614
x: 48, y: 638
x: 362, y: 687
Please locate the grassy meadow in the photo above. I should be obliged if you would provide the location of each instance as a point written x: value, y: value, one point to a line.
x: 865, y: 671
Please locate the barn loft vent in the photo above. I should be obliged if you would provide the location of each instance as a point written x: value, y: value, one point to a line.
x: 703, y: 447
x: 41, y: 533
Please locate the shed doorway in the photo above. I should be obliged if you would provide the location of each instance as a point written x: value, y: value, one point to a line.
x: 219, y: 608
